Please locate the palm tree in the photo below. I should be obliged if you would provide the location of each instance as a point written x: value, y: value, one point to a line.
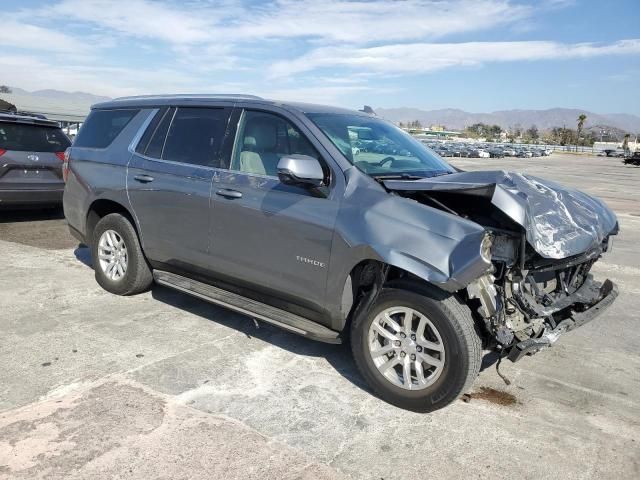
x: 581, y: 119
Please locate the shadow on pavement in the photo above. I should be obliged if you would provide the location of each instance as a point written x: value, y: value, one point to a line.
x: 30, y: 214
x: 41, y: 228
x: 339, y: 356
x: 83, y: 254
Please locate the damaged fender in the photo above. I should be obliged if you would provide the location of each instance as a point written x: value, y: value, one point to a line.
x: 436, y: 246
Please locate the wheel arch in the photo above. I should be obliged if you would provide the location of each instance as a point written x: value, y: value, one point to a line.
x: 372, y: 274
x: 102, y: 207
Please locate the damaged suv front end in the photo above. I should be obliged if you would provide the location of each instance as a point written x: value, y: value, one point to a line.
x: 542, y: 241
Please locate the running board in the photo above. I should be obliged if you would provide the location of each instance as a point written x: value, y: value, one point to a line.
x: 252, y: 308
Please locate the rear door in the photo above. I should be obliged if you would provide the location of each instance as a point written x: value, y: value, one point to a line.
x: 169, y: 182
x: 31, y: 156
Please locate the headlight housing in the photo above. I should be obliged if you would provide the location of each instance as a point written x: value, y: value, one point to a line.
x: 485, y: 247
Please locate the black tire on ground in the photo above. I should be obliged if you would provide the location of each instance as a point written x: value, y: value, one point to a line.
x: 462, y: 346
x: 137, y: 277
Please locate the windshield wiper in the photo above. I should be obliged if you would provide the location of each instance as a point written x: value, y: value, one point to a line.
x: 439, y: 174
x: 397, y: 176
x: 406, y: 176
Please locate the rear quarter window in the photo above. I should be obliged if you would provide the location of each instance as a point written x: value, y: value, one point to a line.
x: 102, y: 127
x: 32, y: 138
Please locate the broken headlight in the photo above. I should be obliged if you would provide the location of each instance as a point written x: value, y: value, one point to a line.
x: 485, y: 247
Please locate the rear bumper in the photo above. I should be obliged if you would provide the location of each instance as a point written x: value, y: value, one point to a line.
x: 582, y: 312
x: 31, y: 196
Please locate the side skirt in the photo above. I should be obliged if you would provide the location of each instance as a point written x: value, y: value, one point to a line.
x: 252, y: 308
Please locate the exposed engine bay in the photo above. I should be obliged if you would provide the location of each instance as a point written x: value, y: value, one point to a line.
x: 527, y: 309
x: 542, y: 240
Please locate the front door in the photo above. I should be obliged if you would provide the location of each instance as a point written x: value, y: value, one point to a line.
x: 273, y: 237
x: 169, y: 182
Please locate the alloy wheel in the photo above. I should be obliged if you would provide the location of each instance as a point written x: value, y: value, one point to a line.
x: 112, y: 255
x: 406, y: 348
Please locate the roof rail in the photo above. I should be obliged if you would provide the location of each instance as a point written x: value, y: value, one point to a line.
x: 188, y: 95
x: 27, y: 118
x: 21, y: 113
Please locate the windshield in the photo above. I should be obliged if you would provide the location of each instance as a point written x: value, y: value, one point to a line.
x: 379, y: 148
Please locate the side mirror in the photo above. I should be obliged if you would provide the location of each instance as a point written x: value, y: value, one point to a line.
x: 300, y: 170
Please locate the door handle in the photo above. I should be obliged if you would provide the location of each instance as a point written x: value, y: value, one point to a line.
x: 228, y: 193
x: 143, y: 178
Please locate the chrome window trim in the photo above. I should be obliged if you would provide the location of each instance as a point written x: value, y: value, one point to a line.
x: 236, y: 139
x: 164, y: 144
x: 143, y: 128
x: 173, y: 162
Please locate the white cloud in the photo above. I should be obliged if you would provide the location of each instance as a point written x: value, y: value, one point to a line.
x: 377, y: 21
x: 33, y: 73
x: 138, y: 18
x: 24, y: 35
x: 121, y: 47
x: 428, y: 57
x: 329, y: 21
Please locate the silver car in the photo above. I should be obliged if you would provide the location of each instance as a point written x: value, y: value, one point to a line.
x: 31, y: 155
x: 262, y: 207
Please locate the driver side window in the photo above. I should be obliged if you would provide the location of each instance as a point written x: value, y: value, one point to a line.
x: 263, y: 139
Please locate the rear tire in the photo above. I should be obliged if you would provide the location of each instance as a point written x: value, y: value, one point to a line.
x: 118, y: 261
x: 443, y: 357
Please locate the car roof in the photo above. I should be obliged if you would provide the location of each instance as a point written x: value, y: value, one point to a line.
x: 25, y: 119
x: 150, y: 101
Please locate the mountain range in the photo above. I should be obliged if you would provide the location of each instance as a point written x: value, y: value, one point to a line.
x: 507, y: 119
x: 52, y: 102
x: 78, y: 104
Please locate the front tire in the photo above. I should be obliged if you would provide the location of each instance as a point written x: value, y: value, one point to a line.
x: 419, y: 352
x: 118, y: 261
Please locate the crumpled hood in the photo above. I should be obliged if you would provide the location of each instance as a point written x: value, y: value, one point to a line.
x: 559, y: 222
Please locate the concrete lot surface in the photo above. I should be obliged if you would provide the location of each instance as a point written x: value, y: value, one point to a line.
x: 162, y: 385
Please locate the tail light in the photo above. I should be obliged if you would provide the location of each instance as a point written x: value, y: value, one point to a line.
x: 2, y: 151
x: 60, y: 155
x: 65, y: 163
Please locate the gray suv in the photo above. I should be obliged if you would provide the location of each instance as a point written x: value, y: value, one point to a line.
x: 31, y: 155
x: 336, y: 225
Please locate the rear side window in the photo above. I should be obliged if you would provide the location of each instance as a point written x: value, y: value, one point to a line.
x: 102, y: 126
x: 148, y: 133
x: 158, y: 133
x: 196, y: 135
x: 32, y: 138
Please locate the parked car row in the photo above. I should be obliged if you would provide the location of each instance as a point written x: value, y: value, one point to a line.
x: 485, y: 150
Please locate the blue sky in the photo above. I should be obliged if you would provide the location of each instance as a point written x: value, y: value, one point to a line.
x: 477, y: 55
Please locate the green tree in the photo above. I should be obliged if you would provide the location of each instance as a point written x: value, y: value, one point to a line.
x: 532, y: 133
x: 515, y: 132
x: 561, y: 136
x: 495, y: 131
x: 5, y: 89
x: 581, y: 119
x: 483, y: 130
